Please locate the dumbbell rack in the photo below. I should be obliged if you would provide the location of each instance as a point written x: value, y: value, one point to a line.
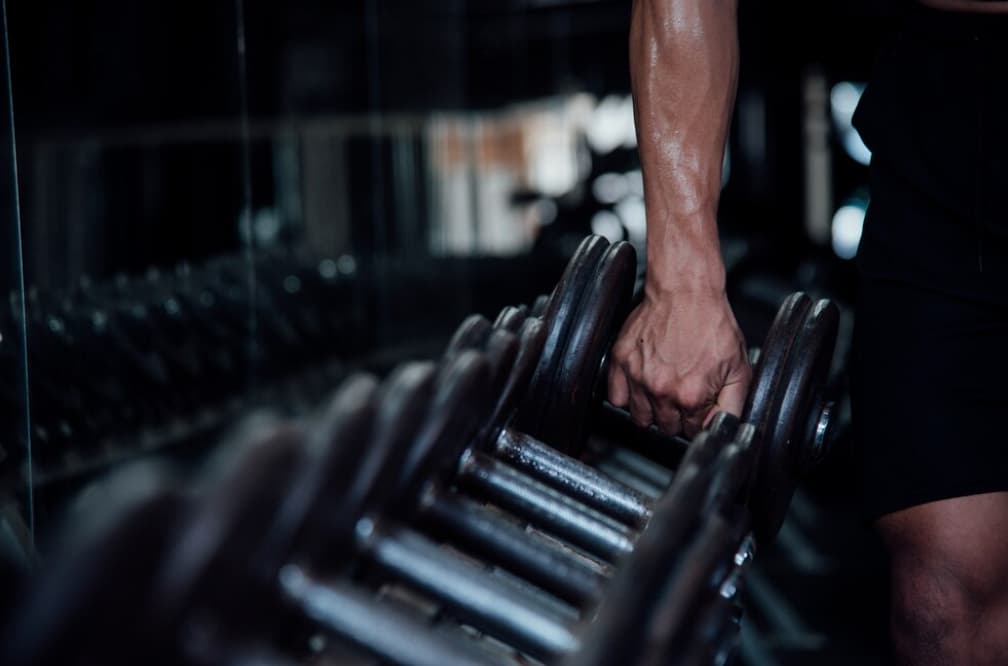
x: 126, y: 367
x: 462, y: 511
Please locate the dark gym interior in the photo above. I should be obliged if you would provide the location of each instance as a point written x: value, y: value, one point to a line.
x: 219, y: 211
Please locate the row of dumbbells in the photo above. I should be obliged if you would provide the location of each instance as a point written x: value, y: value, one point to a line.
x: 422, y: 520
x: 108, y: 360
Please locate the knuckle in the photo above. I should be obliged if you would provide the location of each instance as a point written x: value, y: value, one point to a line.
x: 636, y: 375
x: 693, y: 396
x: 663, y: 386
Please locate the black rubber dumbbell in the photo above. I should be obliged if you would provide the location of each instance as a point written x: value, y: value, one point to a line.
x: 274, y: 505
x: 786, y: 401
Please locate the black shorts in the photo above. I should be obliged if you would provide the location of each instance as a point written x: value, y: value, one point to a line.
x: 930, y: 396
x: 930, y: 358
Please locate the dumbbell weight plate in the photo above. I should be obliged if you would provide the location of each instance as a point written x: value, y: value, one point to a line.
x: 539, y: 306
x: 816, y: 350
x: 796, y: 407
x: 622, y: 624
x: 531, y: 338
x: 512, y: 357
x: 501, y: 348
x: 703, y: 565
x: 603, y: 309
x: 560, y: 318
x: 720, y: 430
x: 328, y: 469
x: 459, y: 407
x: 225, y: 529
x: 94, y: 590
x: 771, y: 366
x: 403, y: 402
x: 728, y: 488
x: 511, y: 318
x: 471, y: 334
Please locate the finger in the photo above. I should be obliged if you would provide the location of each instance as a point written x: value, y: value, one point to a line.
x: 697, y: 421
x: 619, y: 388
x: 667, y: 416
x: 710, y: 414
x: 640, y: 409
x: 732, y: 398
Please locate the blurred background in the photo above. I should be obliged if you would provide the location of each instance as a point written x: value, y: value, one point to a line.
x: 327, y: 186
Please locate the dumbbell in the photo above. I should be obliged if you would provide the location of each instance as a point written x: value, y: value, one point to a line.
x: 231, y: 556
x: 509, y: 611
x: 481, y: 473
x: 497, y: 540
x: 656, y: 623
x: 227, y: 529
x: 323, y: 510
x: 582, y: 316
x: 90, y: 608
x: 461, y: 409
x: 395, y: 552
x: 571, y: 519
x: 533, y: 457
x: 85, y: 607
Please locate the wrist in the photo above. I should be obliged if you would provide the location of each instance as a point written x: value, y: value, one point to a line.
x: 684, y: 291
x: 685, y: 270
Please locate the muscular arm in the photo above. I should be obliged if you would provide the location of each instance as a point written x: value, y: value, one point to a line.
x: 680, y: 356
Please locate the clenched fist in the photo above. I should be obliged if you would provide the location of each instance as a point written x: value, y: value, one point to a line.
x: 679, y: 359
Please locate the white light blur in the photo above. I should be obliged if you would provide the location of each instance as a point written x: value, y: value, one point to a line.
x: 631, y: 212
x: 609, y: 188
x: 612, y: 125
x: 606, y: 224
x: 844, y: 98
x: 346, y: 264
x: 635, y: 182
x: 848, y: 222
x: 554, y: 165
x: 855, y: 147
x: 544, y: 211
x: 327, y: 269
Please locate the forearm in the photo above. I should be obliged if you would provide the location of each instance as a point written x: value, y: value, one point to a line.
x: 684, y: 69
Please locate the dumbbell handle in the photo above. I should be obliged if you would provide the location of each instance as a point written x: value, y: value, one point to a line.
x: 544, y: 507
x: 568, y: 475
x: 531, y: 622
x: 617, y: 424
x: 354, y: 615
x: 540, y: 560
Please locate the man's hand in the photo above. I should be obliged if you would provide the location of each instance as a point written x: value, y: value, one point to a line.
x: 679, y: 359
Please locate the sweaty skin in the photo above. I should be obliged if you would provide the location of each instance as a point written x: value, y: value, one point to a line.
x: 681, y: 356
